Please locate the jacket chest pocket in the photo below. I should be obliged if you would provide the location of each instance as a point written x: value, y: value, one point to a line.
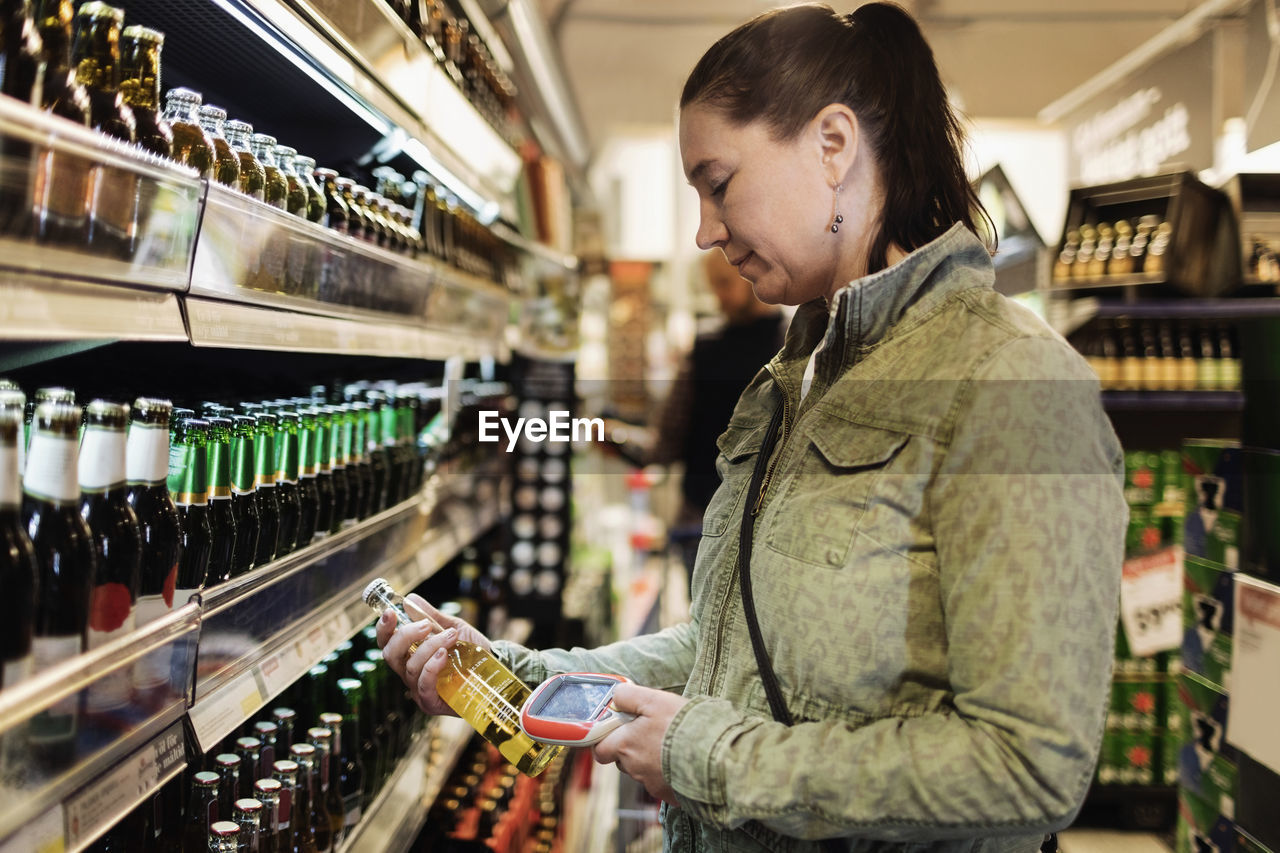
x: 827, y: 492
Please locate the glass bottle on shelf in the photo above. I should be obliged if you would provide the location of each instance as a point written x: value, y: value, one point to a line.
x: 140, y: 85
x: 335, y: 211
x: 324, y: 469
x: 346, y: 415
x: 227, y: 766
x: 65, y: 557
x: 375, y: 233
x: 312, y: 834
x: 1121, y: 257
x: 296, y: 198
x: 250, y: 751
x: 253, y: 178
x: 479, y: 689
x: 379, y: 460
x: 287, y: 494
x: 357, y: 223
x: 1228, y: 359
x: 267, y: 734
x: 247, y: 813
x: 117, y: 542
x: 1207, y: 375
x: 146, y: 473
x: 285, y: 771
x: 18, y: 571
x: 22, y: 70
x: 337, y: 473
x: 308, y: 468
x: 322, y: 738
x: 1186, y: 364
x: 224, y: 837
x: 61, y: 188
x: 377, y: 757
x: 201, y: 812
x: 226, y: 161
x: 189, y: 485
x: 264, y: 467
x: 305, y: 168
x: 1152, y: 373
x: 191, y: 145
x: 1157, y: 249
x: 352, y: 779
x: 275, y: 191
x: 267, y: 792
x: 285, y: 719
x: 96, y: 55
x: 244, y: 502
x: 360, y: 449
x: 1102, y: 251
x: 222, y: 514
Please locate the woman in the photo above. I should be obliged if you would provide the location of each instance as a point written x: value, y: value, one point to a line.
x: 933, y: 534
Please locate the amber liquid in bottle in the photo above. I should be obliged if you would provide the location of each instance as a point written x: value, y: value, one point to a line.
x: 191, y: 145
x: 480, y: 690
x: 226, y: 163
x: 253, y: 178
x: 277, y: 189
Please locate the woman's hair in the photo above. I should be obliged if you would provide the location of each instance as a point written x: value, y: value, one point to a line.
x: 784, y: 66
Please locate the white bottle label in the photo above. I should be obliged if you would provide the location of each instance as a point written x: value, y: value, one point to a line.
x: 58, y: 721
x: 147, y: 454
x: 152, y: 672
x: 102, y: 455
x: 51, y: 469
x: 17, y: 670
x: 10, y: 482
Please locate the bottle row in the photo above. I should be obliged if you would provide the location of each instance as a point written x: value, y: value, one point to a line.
x: 298, y: 777
x: 1162, y: 355
x: 95, y: 72
x: 1124, y: 247
x: 1263, y: 260
x: 118, y: 514
x: 466, y: 59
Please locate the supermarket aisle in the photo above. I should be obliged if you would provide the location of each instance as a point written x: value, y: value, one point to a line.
x: 1110, y: 841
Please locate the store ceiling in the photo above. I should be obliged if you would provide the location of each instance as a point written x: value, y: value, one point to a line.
x: 627, y: 59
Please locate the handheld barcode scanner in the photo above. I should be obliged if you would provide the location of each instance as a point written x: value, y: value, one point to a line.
x: 572, y: 709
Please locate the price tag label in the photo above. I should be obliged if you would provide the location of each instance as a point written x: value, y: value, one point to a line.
x: 1151, y: 602
x: 218, y: 714
x: 1255, y: 691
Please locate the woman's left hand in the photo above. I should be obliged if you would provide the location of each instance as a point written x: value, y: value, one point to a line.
x: 636, y: 747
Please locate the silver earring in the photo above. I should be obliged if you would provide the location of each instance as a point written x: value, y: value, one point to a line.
x: 836, y: 218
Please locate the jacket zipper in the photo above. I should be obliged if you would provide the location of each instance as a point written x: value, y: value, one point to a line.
x: 733, y: 580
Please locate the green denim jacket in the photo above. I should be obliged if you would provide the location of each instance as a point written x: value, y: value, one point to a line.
x: 936, y: 569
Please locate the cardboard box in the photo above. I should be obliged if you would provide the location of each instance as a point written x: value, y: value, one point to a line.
x: 1135, y: 704
x: 1142, y: 478
x: 1206, y: 758
x: 1208, y: 620
x: 1215, y: 503
x: 1201, y: 827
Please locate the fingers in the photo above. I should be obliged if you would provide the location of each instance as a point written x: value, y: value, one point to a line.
x: 628, y: 697
x: 418, y: 608
x: 608, y: 749
x: 427, y: 648
x: 426, y: 694
x: 386, y: 627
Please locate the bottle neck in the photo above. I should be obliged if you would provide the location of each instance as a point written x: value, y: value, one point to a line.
x: 211, y: 126
x: 102, y: 459
x: 51, y: 469
x: 188, y: 474
x: 324, y: 446
x: 219, y: 470
x: 308, y: 455
x: 147, y: 454
x: 264, y: 460
x: 96, y: 54
x: 237, y: 139
x: 176, y: 109
x: 54, y: 24
x: 287, y: 469
x: 242, y: 459
x: 140, y: 81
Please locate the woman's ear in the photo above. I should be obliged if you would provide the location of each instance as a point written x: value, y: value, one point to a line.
x: 836, y: 129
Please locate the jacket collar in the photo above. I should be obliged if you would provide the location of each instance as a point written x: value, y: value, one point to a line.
x: 868, y: 310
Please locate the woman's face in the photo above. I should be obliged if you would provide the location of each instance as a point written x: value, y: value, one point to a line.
x: 766, y: 203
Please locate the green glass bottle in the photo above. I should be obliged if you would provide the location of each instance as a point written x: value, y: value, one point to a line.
x: 244, y: 493
x: 253, y: 178
x: 287, y: 481
x: 226, y: 162
x: 389, y: 436
x: 337, y: 473
x: 350, y: 463
x: 324, y: 469
x: 264, y: 469
x: 222, y: 561
x: 354, y: 781
x: 189, y: 486
x: 308, y: 468
x: 378, y: 457
x: 360, y: 449
x: 322, y: 738
x: 276, y: 190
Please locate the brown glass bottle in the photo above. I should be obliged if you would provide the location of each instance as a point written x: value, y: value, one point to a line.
x: 191, y: 145
x: 276, y: 191
x: 375, y: 228
x: 305, y: 167
x: 140, y: 85
x: 295, y: 199
x: 253, y: 178
x: 358, y: 225
x: 18, y: 570
x: 201, y: 812
x: 22, y: 69
x: 61, y: 203
x: 226, y: 163
x: 312, y: 834
x: 336, y: 213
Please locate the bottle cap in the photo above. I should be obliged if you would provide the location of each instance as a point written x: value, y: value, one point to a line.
x: 264, y: 139
x: 137, y: 32
x: 209, y: 111
x: 96, y: 9
x: 378, y: 588
x: 183, y: 95
x: 249, y: 805
x: 225, y: 829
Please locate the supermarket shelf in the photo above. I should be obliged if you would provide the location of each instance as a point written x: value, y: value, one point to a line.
x: 1192, y: 309
x: 164, y: 221
x: 117, y: 759
x: 35, y: 308
x: 1101, y: 282
x: 1173, y: 401
x: 551, y: 257
x: 213, y: 323
x: 260, y: 635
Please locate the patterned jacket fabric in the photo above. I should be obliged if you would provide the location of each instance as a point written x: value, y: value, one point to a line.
x: 936, y: 566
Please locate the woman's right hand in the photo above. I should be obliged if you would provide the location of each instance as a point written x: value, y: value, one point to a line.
x: 421, y: 669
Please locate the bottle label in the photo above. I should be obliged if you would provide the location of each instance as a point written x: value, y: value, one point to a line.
x: 101, y: 464
x: 10, y: 477
x: 58, y: 722
x: 284, y: 808
x: 146, y: 454
x: 187, y: 475
x: 17, y: 670
x: 111, y: 616
x: 219, y: 471
x: 51, y: 469
x: 242, y: 478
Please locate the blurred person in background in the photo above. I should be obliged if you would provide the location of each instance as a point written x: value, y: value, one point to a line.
x: 906, y: 593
